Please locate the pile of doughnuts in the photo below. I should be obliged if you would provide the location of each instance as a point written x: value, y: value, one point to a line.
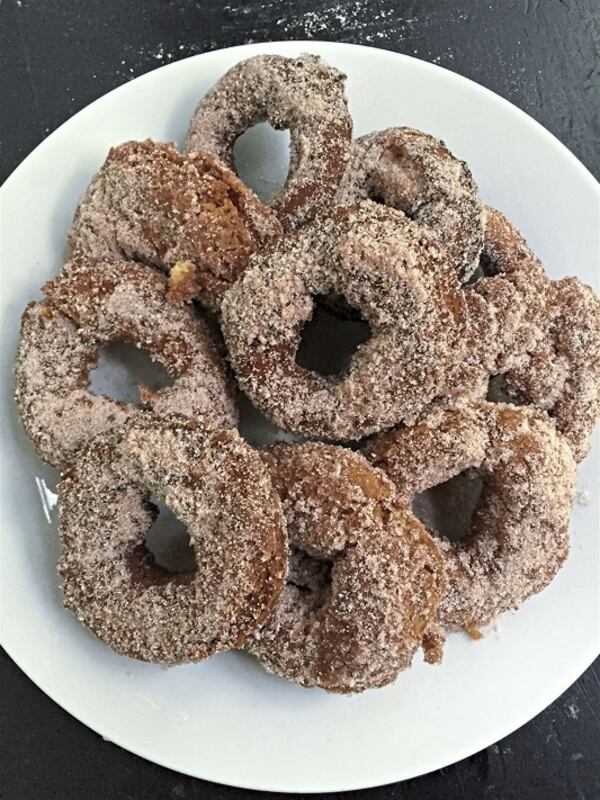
x: 309, y: 552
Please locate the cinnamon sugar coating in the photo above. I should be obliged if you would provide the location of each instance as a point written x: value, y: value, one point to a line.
x: 548, y: 347
x: 151, y: 204
x: 563, y: 374
x: 412, y: 171
x: 219, y: 488
x: 364, y: 578
x: 507, y: 318
x: 304, y: 94
x: 387, y: 229
x: 88, y: 305
x: 382, y: 264
x: 519, y: 536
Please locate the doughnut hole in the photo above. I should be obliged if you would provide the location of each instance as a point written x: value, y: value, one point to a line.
x: 122, y: 368
x: 261, y: 156
x: 331, y: 336
x: 398, y: 182
x: 477, y: 275
x: 447, y: 509
x: 256, y: 429
x: 487, y: 268
x: 168, y: 541
x: 498, y: 393
x: 311, y: 577
x: 166, y: 554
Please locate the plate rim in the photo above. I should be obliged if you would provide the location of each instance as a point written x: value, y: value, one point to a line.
x: 459, y: 755
x: 315, y: 44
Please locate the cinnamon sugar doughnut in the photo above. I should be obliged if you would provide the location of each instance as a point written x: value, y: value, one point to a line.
x: 364, y: 577
x: 508, y: 315
x: 519, y: 535
x: 542, y: 336
x: 303, y: 94
x: 560, y: 370
x: 562, y: 375
x: 87, y: 306
x: 506, y: 319
x: 412, y: 171
x: 385, y: 266
x: 218, y: 487
x: 516, y: 289
x: 151, y: 204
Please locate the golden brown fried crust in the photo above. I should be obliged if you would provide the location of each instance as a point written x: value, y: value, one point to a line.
x: 153, y: 205
x: 182, y: 282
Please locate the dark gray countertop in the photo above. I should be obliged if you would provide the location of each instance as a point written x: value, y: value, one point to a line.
x: 59, y: 55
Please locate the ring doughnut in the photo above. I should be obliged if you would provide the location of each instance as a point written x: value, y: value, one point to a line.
x: 416, y: 173
x: 563, y: 375
x: 519, y: 535
x: 381, y: 264
x: 506, y: 318
x: 150, y: 204
x: 364, y: 578
x: 550, y: 351
x: 219, y: 488
x: 303, y: 94
x: 507, y: 309
x: 87, y: 306
x: 516, y: 287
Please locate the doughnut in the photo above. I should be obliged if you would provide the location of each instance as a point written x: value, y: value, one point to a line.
x: 87, y: 306
x: 382, y: 264
x: 364, y: 577
x: 563, y: 375
x: 304, y: 95
x: 412, y: 171
x: 506, y: 319
x: 470, y: 378
x: 151, y: 204
x: 515, y: 286
x: 219, y: 488
x: 519, y: 534
x: 550, y: 352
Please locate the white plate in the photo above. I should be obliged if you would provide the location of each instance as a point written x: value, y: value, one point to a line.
x: 227, y: 720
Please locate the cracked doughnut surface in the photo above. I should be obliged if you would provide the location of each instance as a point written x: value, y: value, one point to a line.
x: 151, y: 204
